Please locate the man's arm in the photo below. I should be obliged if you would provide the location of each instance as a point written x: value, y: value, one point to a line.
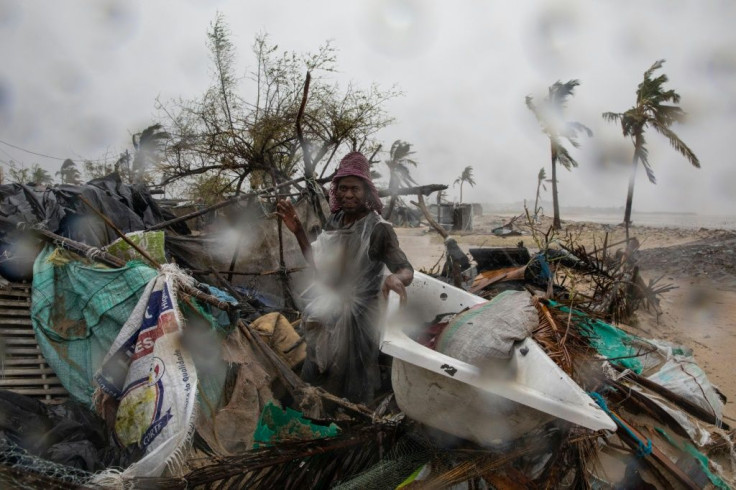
x: 385, y: 247
x: 288, y: 214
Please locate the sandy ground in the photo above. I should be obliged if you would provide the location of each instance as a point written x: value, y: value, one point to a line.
x: 700, y: 313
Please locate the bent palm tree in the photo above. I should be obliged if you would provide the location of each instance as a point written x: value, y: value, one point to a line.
x: 398, y: 166
x: 40, y: 176
x: 550, y: 117
x: 69, y: 173
x: 650, y: 110
x: 149, y: 148
x: 466, y: 176
x: 541, y: 177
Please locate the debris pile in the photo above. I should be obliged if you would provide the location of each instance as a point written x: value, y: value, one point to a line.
x: 179, y: 354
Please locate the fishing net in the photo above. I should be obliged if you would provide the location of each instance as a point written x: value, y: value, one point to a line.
x: 20, y: 469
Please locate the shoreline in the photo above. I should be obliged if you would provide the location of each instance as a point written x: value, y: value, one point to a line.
x: 660, y: 219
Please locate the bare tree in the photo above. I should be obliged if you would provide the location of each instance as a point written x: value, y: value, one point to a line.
x: 248, y: 142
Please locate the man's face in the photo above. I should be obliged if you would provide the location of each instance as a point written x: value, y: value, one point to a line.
x: 351, y: 195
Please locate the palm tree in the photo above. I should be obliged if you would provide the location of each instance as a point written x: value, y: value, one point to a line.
x: 466, y: 176
x: 541, y: 177
x: 399, y: 175
x: 550, y: 117
x: 149, y: 148
x: 40, y: 176
x: 650, y: 110
x: 69, y: 173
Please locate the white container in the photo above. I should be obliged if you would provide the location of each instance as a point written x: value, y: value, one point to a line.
x: 492, y: 404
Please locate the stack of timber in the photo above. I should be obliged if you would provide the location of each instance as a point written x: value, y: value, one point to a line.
x: 23, y: 369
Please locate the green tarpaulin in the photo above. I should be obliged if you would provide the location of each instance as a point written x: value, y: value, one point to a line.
x: 78, y: 309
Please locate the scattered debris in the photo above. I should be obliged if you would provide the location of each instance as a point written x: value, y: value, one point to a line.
x: 196, y: 384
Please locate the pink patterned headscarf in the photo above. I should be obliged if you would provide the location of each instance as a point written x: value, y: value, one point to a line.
x: 354, y: 164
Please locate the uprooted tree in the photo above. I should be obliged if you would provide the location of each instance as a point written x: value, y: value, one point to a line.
x: 225, y: 142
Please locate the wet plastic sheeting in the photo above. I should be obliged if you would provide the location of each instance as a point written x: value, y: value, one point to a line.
x: 59, y: 209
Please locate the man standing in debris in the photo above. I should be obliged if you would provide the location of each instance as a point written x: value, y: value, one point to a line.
x: 340, y: 320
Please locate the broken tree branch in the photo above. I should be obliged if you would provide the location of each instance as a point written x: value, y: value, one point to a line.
x: 428, y: 216
x: 120, y: 234
x: 227, y: 202
x: 424, y: 190
x: 308, y: 166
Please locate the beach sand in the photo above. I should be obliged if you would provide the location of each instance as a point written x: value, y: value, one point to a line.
x: 701, y: 263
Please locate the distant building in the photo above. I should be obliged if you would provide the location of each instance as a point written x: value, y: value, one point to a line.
x: 453, y: 217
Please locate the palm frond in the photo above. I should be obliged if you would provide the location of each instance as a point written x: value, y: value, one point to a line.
x: 574, y: 127
x: 559, y: 92
x: 641, y: 153
x: 612, y: 116
x: 677, y: 143
x: 668, y: 114
x: 564, y: 158
x: 655, y: 66
x: 318, y: 463
x: 400, y: 150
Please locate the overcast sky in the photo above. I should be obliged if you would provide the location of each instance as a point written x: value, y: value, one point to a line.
x: 78, y: 77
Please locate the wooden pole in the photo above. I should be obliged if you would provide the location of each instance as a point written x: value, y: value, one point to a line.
x: 120, y: 234
x: 227, y: 202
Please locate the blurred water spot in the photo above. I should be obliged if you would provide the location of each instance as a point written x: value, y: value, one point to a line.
x: 553, y: 34
x: 119, y: 22
x: 722, y: 185
x: 608, y: 154
x: 96, y: 130
x: 720, y: 62
x: 10, y: 14
x: 400, y: 28
x: 69, y: 78
x: 6, y: 101
x: 702, y: 308
x: 699, y: 298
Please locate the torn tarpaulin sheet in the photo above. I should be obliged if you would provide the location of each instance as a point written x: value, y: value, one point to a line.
x: 59, y: 209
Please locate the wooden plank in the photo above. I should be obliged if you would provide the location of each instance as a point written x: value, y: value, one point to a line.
x: 656, y: 454
x: 15, y: 321
x: 27, y: 371
x: 22, y: 351
x: 20, y: 341
x: 14, y: 312
x: 51, y: 380
x: 23, y: 293
x: 23, y: 361
x: 16, y: 331
x: 20, y: 303
x: 41, y: 391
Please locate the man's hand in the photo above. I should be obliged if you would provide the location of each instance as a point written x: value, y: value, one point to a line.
x: 393, y: 283
x: 288, y: 214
